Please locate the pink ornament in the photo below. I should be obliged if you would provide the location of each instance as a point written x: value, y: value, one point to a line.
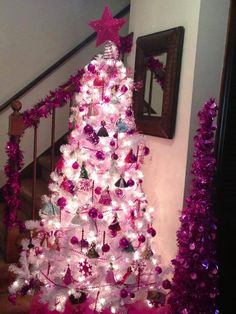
x: 100, y: 155
x: 61, y: 202
x: 85, y: 268
x: 158, y: 269
x: 93, y: 212
x: 107, y: 27
x: 124, y: 88
x: 106, y: 99
x: 166, y: 284
x: 141, y: 238
x: 119, y: 193
x: 123, y: 293
x: 75, y: 165
x: 98, y: 190
x: 106, y: 248
x: 74, y: 240
x: 152, y: 231
x: 91, y: 68
x: 130, y: 182
x: 12, y: 298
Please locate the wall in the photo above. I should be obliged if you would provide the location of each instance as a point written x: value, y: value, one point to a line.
x: 33, y: 35
x: 165, y: 171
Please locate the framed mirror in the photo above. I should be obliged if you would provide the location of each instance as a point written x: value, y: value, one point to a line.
x: 157, y: 66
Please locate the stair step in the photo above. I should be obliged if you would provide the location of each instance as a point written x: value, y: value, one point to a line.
x: 26, y: 191
x: 22, y: 305
x: 45, y: 161
x: 45, y: 166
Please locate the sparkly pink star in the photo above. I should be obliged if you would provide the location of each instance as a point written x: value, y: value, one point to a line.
x: 107, y: 27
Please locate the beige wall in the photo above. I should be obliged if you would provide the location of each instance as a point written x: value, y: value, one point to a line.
x: 165, y: 170
x: 33, y: 35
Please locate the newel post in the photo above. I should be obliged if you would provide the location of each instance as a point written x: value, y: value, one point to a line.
x: 15, y: 131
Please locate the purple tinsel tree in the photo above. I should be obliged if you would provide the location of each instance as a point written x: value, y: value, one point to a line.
x: 194, y: 286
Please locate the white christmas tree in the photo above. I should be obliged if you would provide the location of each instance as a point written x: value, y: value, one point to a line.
x: 95, y: 234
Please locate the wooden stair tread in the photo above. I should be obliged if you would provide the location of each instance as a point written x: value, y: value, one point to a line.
x: 26, y: 190
x: 22, y: 305
x: 45, y: 161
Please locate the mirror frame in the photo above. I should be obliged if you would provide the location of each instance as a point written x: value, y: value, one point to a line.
x: 171, y: 42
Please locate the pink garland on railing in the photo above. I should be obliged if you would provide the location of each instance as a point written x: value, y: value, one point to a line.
x: 11, y: 190
x: 55, y: 99
x: 154, y: 64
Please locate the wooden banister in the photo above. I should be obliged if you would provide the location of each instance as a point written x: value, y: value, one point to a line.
x: 57, y: 64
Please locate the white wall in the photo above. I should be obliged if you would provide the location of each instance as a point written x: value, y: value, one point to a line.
x: 165, y: 171
x: 33, y: 35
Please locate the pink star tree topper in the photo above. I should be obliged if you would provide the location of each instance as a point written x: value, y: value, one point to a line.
x: 107, y: 27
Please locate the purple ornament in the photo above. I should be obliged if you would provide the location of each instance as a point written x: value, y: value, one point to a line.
x: 61, y: 202
x: 106, y: 248
x: 98, y: 190
x: 114, y: 156
x: 129, y: 113
x: 152, y: 231
x: 132, y: 295
x: 100, y: 155
x: 115, y: 135
x: 106, y: 99
x: 141, y: 238
x: 123, y: 293
x: 124, y: 243
x: 74, y: 240
x: 88, y: 129
x: 75, y: 165
x: 84, y: 243
x: 91, y: 68
x: 166, y: 284
x: 100, y: 216
x: 119, y: 192
x: 93, y: 212
x: 81, y: 109
x: 146, y: 151
x: 124, y: 88
x: 158, y: 269
x: 112, y: 143
x: 130, y: 182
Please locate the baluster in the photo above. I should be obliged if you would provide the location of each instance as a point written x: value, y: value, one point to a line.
x: 53, y: 138
x: 34, y: 171
x: 15, y: 131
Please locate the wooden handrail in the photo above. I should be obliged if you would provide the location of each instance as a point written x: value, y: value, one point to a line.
x: 57, y: 64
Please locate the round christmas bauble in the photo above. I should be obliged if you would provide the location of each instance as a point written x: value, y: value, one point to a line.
x: 98, y: 190
x: 100, y: 155
x: 146, y: 151
x: 119, y: 192
x: 106, y: 248
x: 113, y: 233
x: 124, y: 242
x: 166, y: 284
x: 158, y: 269
x: 129, y: 113
x: 112, y: 143
x: 61, y: 202
x: 132, y: 295
x: 124, y: 88
x: 106, y: 99
x: 88, y: 129
x: 100, y: 216
x: 130, y: 182
x: 91, y: 68
x: 141, y: 238
x: 114, y: 156
x: 84, y: 243
x: 74, y: 240
x: 75, y: 165
x: 123, y: 293
x: 93, y: 212
x: 152, y: 231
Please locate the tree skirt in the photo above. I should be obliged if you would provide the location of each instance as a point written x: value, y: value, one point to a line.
x: 136, y: 308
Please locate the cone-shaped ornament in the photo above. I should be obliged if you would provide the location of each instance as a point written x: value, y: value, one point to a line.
x: 121, y: 183
x: 92, y: 253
